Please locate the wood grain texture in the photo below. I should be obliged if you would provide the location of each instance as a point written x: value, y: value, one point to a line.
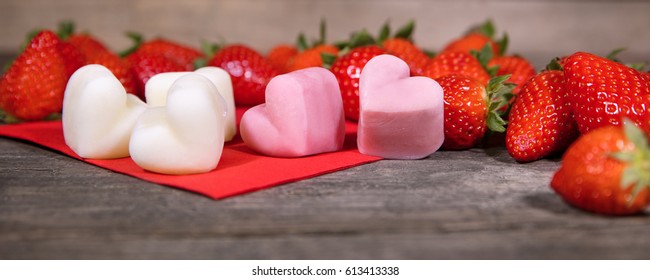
x: 539, y: 29
x: 476, y: 204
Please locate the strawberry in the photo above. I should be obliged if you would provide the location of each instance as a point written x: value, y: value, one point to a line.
x: 456, y: 63
x: 33, y: 86
x: 518, y: 67
x: 178, y: 53
x: 95, y: 52
x: 72, y: 57
x: 471, y: 109
x: 347, y: 70
x: 602, y: 91
x: 472, y: 41
x: 476, y: 38
x: 409, y: 52
x: 540, y: 122
x: 402, y: 46
x: 606, y: 171
x: 312, y: 57
x: 249, y: 70
x: 280, y: 55
x: 147, y: 64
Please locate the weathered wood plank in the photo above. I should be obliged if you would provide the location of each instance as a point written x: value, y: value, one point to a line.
x: 472, y: 204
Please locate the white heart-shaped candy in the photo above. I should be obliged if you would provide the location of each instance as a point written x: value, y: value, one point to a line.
x: 157, y: 87
x: 187, y: 135
x: 98, y: 114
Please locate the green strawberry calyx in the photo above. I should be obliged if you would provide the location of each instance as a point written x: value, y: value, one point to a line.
x: 484, y: 55
x: 637, y: 173
x: 499, y: 93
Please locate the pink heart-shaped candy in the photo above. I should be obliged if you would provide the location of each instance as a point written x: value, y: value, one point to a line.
x: 303, y: 115
x: 401, y: 117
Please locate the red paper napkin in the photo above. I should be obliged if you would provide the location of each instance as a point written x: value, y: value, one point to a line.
x: 240, y: 169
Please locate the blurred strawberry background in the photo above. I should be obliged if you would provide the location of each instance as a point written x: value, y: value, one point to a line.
x: 538, y: 29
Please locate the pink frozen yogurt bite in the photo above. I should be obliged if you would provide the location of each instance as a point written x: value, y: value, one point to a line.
x: 401, y: 117
x: 303, y: 115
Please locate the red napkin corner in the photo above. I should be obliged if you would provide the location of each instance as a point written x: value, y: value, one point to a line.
x: 239, y: 171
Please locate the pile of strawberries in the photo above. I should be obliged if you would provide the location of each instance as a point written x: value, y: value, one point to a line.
x: 579, y: 102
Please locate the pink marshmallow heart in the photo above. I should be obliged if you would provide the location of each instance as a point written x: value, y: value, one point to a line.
x: 401, y: 117
x: 303, y: 115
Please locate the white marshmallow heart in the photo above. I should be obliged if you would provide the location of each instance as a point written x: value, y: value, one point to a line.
x: 187, y: 135
x: 98, y: 114
x: 157, y: 87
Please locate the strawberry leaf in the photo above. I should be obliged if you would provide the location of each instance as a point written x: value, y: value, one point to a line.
x: 137, y: 41
x: 484, y: 56
x: 406, y: 31
x: 322, y: 33
x: 495, y: 122
x: 384, y: 32
x: 328, y: 59
x: 209, y: 49
x: 66, y: 29
x: 486, y: 28
x: 503, y: 44
x: 361, y: 38
x: 637, y: 172
x: 554, y: 64
x: 301, y: 42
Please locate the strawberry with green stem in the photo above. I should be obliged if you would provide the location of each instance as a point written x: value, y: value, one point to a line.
x: 606, y: 171
x: 473, y: 65
x: 178, y: 53
x: 471, y: 109
x: 476, y: 37
x: 347, y: 69
x: 310, y: 55
x: 401, y: 45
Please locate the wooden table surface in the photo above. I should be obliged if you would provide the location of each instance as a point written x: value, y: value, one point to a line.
x: 475, y: 204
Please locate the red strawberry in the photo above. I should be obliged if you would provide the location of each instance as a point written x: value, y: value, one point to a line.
x: 178, y: 53
x: 606, y: 171
x: 602, y: 91
x: 456, y: 63
x: 250, y: 72
x: 471, y: 109
x: 147, y: 64
x: 409, y: 52
x: 469, y: 42
x: 540, y: 122
x: 347, y: 70
x: 95, y: 52
x: 402, y: 46
x: 33, y: 86
x: 279, y: 57
x: 312, y: 57
x: 476, y: 38
x: 72, y: 57
x: 518, y: 67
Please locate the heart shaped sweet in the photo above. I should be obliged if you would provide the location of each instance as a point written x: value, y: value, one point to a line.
x: 303, y: 115
x: 157, y: 87
x: 98, y: 114
x: 401, y: 117
x: 187, y: 135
